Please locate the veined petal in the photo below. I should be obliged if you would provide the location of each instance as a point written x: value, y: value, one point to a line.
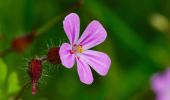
x: 66, y: 57
x: 99, y: 61
x: 84, y: 71
x: 163, y: 96
x: 72, y: 27
x: 93, y: 35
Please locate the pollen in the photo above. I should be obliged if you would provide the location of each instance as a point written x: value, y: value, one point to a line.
x: 76, y: 49
x: 79, y: 49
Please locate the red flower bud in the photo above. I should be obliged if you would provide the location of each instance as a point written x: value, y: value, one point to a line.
x: 35, y: 72
x: 53, y: 56
x: 20, y: 43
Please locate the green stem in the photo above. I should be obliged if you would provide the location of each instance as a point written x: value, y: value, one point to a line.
x: 54, y: 21
x: 22, y: 90
x: 5, y: 52
x: 45, y: 28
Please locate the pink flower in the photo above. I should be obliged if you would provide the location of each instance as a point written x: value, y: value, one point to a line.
x: 161, y: 85
x: 78, y: 49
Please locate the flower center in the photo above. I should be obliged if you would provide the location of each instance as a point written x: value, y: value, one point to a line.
x: 79, y: 49
x: 76, y: 49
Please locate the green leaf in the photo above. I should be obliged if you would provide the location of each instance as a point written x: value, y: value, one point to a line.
x: 3, y: 72
x: 13, y: 84
x: 1, y: 95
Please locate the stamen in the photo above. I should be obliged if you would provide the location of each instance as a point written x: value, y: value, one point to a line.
x: 79, y: 49
x: 76, y: 49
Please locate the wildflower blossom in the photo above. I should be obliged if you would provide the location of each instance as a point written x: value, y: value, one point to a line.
x: 78, y: 49
x: 161, y: 85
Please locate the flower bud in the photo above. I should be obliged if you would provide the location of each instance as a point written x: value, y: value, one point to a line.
x: 35, y: 72
x: 160, y: 22
x: 53, y: 56
x: 20, y: 43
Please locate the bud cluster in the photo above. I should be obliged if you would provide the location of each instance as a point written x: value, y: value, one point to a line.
x: 35, y: 66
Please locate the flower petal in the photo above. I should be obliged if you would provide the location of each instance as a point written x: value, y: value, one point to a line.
x: 158, y: 83
x: 66, y: 57
x: 99, y: 61
x: 72, y: 27
x: 84, y: 71
x: 93, y: 35
x: 167, y: 76
x: 163, y: 97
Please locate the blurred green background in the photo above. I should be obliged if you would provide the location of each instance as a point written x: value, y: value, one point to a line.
x: 138, y: 43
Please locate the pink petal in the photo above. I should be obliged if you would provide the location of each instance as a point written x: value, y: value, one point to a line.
x: 163, y: 97
x: 99, y: 61
x: 66, y: 57
x: 167, y: 75
x: 93, y: 35
x: 158, y: 83
x: 72, y: 27
x: 84, y: 71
